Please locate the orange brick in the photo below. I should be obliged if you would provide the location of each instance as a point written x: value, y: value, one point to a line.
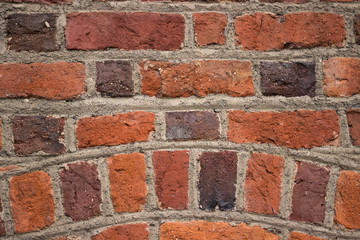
x: 209, y: 28
x: 129, y: 231
x: 302, y: 236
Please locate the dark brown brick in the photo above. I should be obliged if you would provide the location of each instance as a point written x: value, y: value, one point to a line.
x: 308, y: 200
x: 192, y: 126
x: 357, y: 28
x: 32, y: 32
x: 38, y: 133
x: 81, y: 190
x: 217, y: 180
x: 288, y: 79
x: 114, y: 79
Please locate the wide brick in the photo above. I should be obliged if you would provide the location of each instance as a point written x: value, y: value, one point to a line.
x: 197, y: 78
x: 199, y: 230
x: 217, y: 180
x: 209, y: 28
x: 353, y: 118
x: 341, y: 77
x: 122, y: 30
x: 347, y: 207
x: 263, y: 183
x: 137, y: 231
x: 127, y: 174
x: 42, y: 80
x: 302, y: 236
x: 38, y: 133
x: 285, y: 1
x: 266, y: 31
x: 114, y: 79
x: 292, y: 129
x: 308, y: 199
x: 288, y: 79
x: 114, y: 130
x: 81, y: 189
x: 357, y: 28
x: 32, y: 201
x: 39, y: 1
x: 172, y: 178
x: 32, y: 32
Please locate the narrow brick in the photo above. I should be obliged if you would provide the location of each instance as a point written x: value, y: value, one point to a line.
x: 308, y: 199
x: 137, y: 231
x: 357, y: 28
x: 0, y: 135
x: 292, y: 129
x: 353, y: 118
x: 172, y: 178
x: 209, y: 28
x: 2, y: 222
x: 32, y: 201
x: 192, y: 126
x: 114, y: 130
x: 123, y: 30
x: 197, y: 78
x: 217, y: 180
x: 39, y: 1
x: 302, y: 236
x: 127, y: 174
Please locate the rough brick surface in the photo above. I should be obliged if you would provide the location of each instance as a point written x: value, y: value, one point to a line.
x: 263, y: 183
x: 2, y: 223
x: 0, y: 136
x: 38, y: 133
x: 302, y: 236
x: 102, y: 30
x: 353, y: 118
x: 39, y: 1
x: 357, y: 28
x: 217, y: 180
x: 81, y: 189
x: 341, y: 77
x: 127, y: 174
x: 36, y: 32
x: 209, y: 28
x: 32, y: 201
x: 114, y: 130
x: 42, y: 80
x: 288, y: 79
x: 308, y: 199
x: 347, y: 206
x: 192, y: 126
x: 197, y: 78
x: 172, y: 178
x: 129, y: 231
x: 295, y: 129
x: 265, y: 31
x: 285, y: 1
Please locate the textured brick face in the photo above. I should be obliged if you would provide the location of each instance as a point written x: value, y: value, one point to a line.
x: 2, y: 223
x: 209, y: 28
x: 39, y: 1
x: 129, y: 231
x: 357, y: 28
x: 217, y: 180
x: 308, y: 201
x: 353, y: 118
x: 302, y: 236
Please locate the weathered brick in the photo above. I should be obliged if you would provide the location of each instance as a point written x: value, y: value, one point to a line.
x: 292, y: 129
x: 127, y: 174
x: 266, y: 31
x: 0, y: 136
x: 114, y: 130
x: 123, y: 30
x: 209, y: 1
x: 288, y: 79
x: 32, y: 32
x: 209, y: 28
x: 42, y: 80
x: 197, y: 78
x: 347, y: 207
x: 308, y: 199
x: 172, y: 178
x: 198, y: 230
x: 114, y: 79
x: 199, y: 125
x: 38, y: 133
x: 81, y: 189
x: 263, y: 183
x: 217, y: 180
x: 285, y: 1
x: 39, y: 1
x: 357, y: 28
x: 32, y: 201
x: 137, y: 231
x: 2, y: 223
x: 302, y: 236
x: 353, y: 119
x: 341, y: 77
x: 9, y: 168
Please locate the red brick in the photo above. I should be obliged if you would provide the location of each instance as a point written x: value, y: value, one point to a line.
x: 2, y: 222
x: 32, y: 201
x: 302, y: 236
x: 209, y: 28
x: 285, y: 1
x: 353, y: 118
x: 127, y: 174
x: 263, y: 183
x: 122, y: 30
x: 199, y: 230
x: 205, y: 1
x: 9, y: 168
x: 137, y: 231
x: 172, y: 178
x: 266, y: 31
x: 292, y: 129
x: 114, y: 130
x: 357, y: 28
x: 42, y: 80
x: 197, y: 78
x: 39, y: 1
x: 347, y: 207
x: 341, y: 77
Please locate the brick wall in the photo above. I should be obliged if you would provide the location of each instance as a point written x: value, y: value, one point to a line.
x: 180, y: 119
